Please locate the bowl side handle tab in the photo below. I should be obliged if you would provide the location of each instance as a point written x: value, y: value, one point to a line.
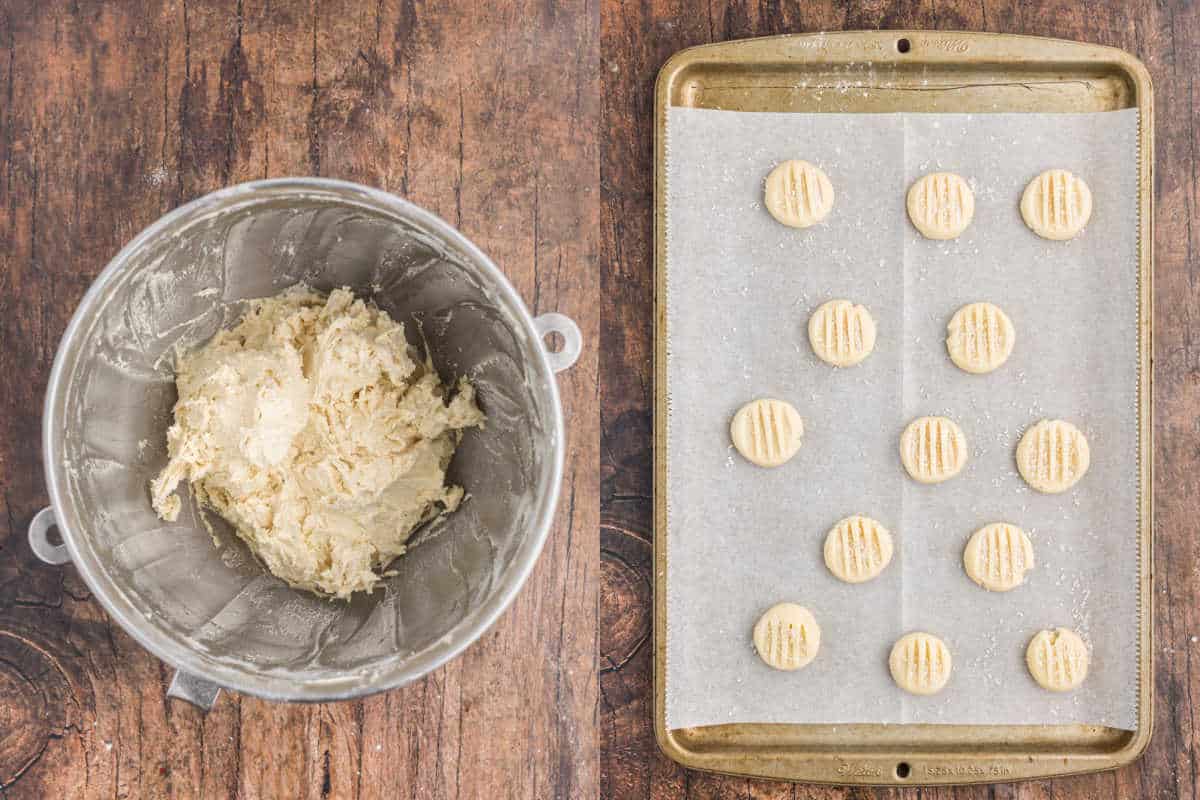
x: 39, y: 539
x: 572, y: 340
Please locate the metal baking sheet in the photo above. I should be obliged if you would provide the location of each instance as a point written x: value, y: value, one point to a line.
x: 772, y: 82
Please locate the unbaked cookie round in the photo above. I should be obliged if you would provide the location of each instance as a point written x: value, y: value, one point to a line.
x: 933, y: 449
x: 920, y: 663
x: 1056, y: 204
x: 1057, y: 660
x: 841, y: 333
x: 767, y: 432
x: 787, y: 637
x: 997, y: 557
x: 979, y: 338
x: 798, y: 194
x: 941, y: 205
x: 857, y: 549
x: 1053, y: 455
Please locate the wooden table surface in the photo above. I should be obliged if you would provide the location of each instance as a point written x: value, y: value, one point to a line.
x: 112, y: 113
x: 528, y: 125
x: 636, y: 38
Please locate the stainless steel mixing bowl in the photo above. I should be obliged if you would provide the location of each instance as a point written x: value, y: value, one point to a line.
x: 214, y: 613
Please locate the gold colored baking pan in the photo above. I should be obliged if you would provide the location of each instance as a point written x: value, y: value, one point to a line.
x: 907, y: 71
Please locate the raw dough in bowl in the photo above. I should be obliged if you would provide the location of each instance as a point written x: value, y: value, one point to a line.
x: 310, y: 427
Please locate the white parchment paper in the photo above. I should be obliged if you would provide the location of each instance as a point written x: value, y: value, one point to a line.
x: 740, y: 289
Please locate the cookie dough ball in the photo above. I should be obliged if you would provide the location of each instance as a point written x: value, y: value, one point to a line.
x: 997, y: 557
x: 1057, y: 660
x: 1053, y: 455
x: 310, y: 428
x: 857, y: 549
x: 798, y: 194
x: 933, y: 449
x: 787, y: 637
x: 920, y: 663
x: 841, y: 333
x: 979, y: 338
x: 1056, y: 205
x: 941, y: 205
x: 767, y: 432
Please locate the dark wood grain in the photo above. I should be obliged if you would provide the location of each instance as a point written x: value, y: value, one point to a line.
x: 112, y: 113
x: 636, y: 38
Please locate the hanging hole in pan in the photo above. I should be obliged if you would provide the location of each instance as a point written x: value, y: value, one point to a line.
x: 903, y: 45
x: 903, y: 770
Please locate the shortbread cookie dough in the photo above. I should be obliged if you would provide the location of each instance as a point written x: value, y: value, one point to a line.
x: 767, y: 432
x: 1053, y: 455
x: 920, y: 663
x: 941, y: 205
x: 787, y: 637
x: 1056, y: 204
x: 798, y: 194
x: 841, y: 333
x: 979, y: 338
x: 997, y: 557
x: 933, y: 449
x: 857, y: 549
x: 312, y: 429
x: 1057, y: 660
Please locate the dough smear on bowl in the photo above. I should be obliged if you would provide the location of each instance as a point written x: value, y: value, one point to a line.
x: 314, y: 431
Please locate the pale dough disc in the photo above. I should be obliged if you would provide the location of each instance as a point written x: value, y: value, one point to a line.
x: 798, y: 194
x: 841, y: 333
x: 979, y: 338
x: 941, y: 205
x: 920, y: 663
x: 857, y: 549
x: 767, y: 432
x: 787, y: 637
x: 933, y: 449
x: 1056, y: 204
x: 997, y: 557
x: 1057, y: 660
x: 1053, y: 455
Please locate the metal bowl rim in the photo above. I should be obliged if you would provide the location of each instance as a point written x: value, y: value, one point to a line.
x: 273, y: 685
